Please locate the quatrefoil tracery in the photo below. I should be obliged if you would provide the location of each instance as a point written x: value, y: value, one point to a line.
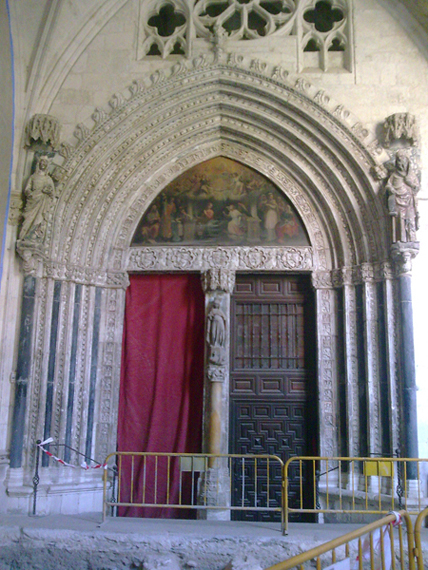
x: 171, y: 26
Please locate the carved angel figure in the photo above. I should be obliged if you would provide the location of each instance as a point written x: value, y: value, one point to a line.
x: 216, y: 334
x: 401, y: 189
x: 39, y: 193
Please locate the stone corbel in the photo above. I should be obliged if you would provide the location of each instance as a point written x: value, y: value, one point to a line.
x: 402, y: 255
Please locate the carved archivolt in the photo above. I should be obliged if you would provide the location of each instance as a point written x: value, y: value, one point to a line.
x: 243, y: 109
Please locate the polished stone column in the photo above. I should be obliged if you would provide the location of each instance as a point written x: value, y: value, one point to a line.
x: 403, y: 253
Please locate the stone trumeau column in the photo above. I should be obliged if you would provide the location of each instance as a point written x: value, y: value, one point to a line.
x: 218, y: 285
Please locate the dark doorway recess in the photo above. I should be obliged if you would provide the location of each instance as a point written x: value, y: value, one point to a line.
x: 272, y: 379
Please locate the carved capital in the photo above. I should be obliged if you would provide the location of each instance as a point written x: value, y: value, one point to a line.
x: 322, y: 280
x: 216, y: 373
x: 218, y: 279
x: 402, y: 255
x: 43, y: 128
x: 367, y: 272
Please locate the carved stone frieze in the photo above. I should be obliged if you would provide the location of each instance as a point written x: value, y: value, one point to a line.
x: 237, y: 258
x: 86, y: 275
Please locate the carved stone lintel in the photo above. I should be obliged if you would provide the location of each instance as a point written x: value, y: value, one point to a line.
x: 216, y: 373
x: 401, y: 126
x: 402, y: 255
x: 218, y: 279
x: 44, y: 128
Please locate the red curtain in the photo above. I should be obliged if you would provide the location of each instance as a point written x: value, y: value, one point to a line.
x: 161, y: 385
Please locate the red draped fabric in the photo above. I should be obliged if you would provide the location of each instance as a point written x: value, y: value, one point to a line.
x: 161, y: 385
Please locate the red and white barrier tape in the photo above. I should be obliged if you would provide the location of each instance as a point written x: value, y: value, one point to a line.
x: 83, y: 465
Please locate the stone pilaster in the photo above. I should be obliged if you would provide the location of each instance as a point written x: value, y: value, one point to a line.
x: 370, y: 309
x: 351, y: 362
x: 326, y: 303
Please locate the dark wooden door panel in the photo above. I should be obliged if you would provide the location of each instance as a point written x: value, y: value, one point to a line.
x: 271, y: 378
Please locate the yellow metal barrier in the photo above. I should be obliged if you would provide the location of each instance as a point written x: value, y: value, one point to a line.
x: 195, y: 481
x: 418, y: 543
x: 376, y: 551
x: 353, y: 485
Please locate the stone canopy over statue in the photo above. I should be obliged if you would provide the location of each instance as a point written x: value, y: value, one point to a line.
x: 40, y: 195
x: 401, y: 188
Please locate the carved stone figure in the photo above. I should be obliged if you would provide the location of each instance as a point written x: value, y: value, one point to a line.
x: 216, y: 334
x: 40, y: 194
x: 401, y: 189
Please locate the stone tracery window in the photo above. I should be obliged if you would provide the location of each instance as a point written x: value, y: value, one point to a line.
x: 320, y: 28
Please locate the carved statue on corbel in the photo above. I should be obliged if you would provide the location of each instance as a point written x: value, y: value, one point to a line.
x: 40, y: 198
x: 401, y: 188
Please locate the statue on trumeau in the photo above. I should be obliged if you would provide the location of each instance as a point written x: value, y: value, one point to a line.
x: 401, y: 188
x: 40, y: 195
x: 216, y: 334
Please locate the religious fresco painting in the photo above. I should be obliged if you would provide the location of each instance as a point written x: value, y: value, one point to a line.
x: 221, y: 202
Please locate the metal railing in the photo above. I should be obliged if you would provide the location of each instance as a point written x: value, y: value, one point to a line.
x: 148, y: 481
x: 376, y: 545
x: 353, y: 485
x: 418, y: 542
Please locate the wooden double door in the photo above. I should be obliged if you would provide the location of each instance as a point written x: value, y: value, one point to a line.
x: 272, y: 374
